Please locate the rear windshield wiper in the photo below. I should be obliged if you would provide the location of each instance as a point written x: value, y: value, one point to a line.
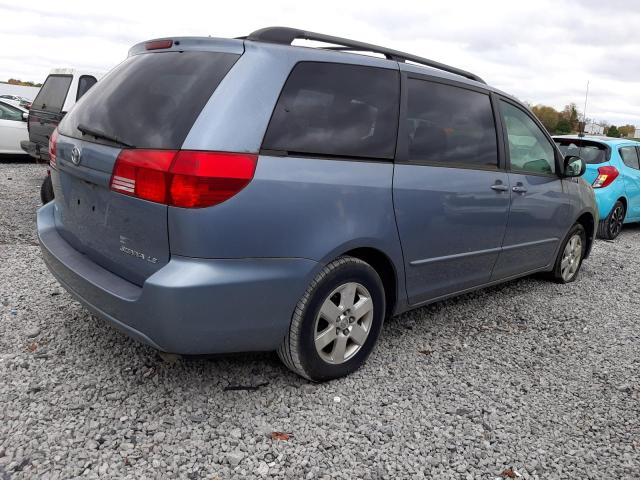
x: 105, y: 136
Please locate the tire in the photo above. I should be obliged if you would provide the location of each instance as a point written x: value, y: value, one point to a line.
x: 353, y: 338
x: 611, y: 226
x: 563, y: 273
x: 46, y: 190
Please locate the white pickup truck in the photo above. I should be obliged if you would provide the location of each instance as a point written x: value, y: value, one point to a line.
x: 59, y: 92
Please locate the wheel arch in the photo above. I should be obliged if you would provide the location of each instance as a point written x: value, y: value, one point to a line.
x: 587, y: 220
x: 625, y: 202
x: 385, y: 267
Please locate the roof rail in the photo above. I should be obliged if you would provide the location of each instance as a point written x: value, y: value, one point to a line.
x: 286, y: 35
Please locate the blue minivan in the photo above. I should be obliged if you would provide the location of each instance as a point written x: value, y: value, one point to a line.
x: 224, y: 195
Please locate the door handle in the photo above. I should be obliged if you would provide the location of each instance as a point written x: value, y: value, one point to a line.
x: 499, y: 187
x: 519, y: 188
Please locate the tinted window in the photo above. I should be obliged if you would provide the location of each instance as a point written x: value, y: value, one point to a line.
x: 85, y: 83
x: 150, y: 100
x: 590, y: 152
x: 529, y: 148
x: 630, y: 157
x: 7, y: 112
x: 336, y: 109
x: 450, y: 125
x: 52, y: 93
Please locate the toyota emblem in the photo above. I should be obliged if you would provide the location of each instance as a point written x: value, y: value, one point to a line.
x: 75, y: 156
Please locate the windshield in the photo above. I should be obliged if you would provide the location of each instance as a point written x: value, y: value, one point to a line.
x: 149, y: 100
x: 590, y: 152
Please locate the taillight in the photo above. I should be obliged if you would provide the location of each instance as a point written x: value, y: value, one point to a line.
x: 183, y: 178
x: 53, y: 147
x: 606, y: 175
x: 143, y: 174
x: 201, y: 179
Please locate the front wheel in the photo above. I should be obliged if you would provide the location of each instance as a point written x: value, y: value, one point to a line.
x: 570, y: 255
x: 611, y: 226
x: 337, y: 321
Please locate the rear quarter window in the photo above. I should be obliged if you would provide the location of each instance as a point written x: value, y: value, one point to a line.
x: 336, y: 110
x: 630, y: 157
x: 150, y: 100
x: 52, y: 93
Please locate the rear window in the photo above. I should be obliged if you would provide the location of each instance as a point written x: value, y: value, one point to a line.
x: 590, y: 152
x: 52, y: 93
x: 337, y: 110
x: 150, y: 100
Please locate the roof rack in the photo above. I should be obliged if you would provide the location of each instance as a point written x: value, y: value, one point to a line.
x: 286, y: 35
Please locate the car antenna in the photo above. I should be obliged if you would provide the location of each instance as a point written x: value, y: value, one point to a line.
x: 584, y: 112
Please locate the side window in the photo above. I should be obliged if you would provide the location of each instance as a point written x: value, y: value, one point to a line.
x: 85, y: 83
x: 630, y: 157
x: 7, y: 112
x: 337, y: 109
x: 529, y: 148
x: 52, y: 93
x: 450, y: 125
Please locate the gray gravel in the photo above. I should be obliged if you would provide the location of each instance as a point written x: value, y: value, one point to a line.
x: 529, y: 377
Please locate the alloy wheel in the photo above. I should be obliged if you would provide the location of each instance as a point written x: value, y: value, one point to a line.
x: 571, y: 257
x: 616, y: 220
x: 343, y: 323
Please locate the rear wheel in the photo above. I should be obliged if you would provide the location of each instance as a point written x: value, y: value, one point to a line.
x: 336, y: 322
x: 570, y: 255
x: 611, y: 226
x: 46, y: 190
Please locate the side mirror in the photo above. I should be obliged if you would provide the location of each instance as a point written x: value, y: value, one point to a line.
x: 25, y: 116
x: 573, y: 166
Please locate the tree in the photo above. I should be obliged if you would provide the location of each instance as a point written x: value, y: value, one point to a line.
x: 563, y: 127
x: 627, y: 130
x: 570, y: 113
x: 549, y: 116
x: 15, y: 81
x: 613, y: 132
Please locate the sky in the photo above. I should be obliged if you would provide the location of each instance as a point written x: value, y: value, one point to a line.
x: 541, y: 51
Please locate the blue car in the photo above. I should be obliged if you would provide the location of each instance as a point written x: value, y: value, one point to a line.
x: 613, y: 170
x: 225, y: 195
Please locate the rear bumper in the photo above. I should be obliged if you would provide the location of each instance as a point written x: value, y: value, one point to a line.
x: 34, y: 150
x: 191, y: 305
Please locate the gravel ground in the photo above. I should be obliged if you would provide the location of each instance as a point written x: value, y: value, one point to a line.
x: 529, y: 377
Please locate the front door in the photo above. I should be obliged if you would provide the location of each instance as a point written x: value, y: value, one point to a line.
x: 540, y: 202
x: 450, y: 194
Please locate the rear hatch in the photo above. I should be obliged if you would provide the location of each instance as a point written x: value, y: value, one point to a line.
x: 46, y: 110
x: 595, y: 154
x: 149, y: 101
